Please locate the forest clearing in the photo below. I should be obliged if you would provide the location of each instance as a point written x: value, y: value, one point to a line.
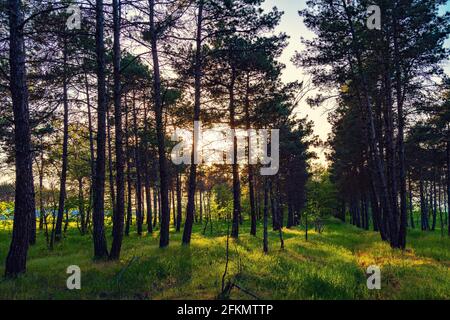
x: 330, y: 265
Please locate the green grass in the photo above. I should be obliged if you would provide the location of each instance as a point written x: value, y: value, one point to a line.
x: 330, y: 265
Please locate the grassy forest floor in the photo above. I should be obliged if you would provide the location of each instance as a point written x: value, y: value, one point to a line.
x: 330, y: 265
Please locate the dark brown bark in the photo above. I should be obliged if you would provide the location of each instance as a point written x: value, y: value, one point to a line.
x: 147, y: 185
x: 81, y: 206
x: 266, y: 217
x: 411, y: 208
x: 401, y: 242
x: 41, y: 189
x: 118, y: 218
x: 192, y: 184
x: 448, y: 179
x: 24, y: 207
x: 163, y: 174
x: 112, y: 192
x: 148, y: 200
x: 100, y: 248
x: 129, y: 188
x: 235, y: 165
x: 179, y: 205
x: 174, y: 214
x: 137, y: 160
x: 63, y: 177
x: 155, y: 206
x: 91, y: 149
x: 250, y: 166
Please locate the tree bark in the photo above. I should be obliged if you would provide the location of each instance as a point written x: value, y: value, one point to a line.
x: 250, y: 166
x: 179, y: 205
x: 266, y: 217
x: 24, y: 205
x: 165, y: 212
x: 137, y: 160
x: 100, y: 248
x: 63, y: 178
x: 401, y: 146
x: 448, y: 180
x: 192, y: 184
x: 235, y: 165
x: 118, y: 218
x: 129, y: 188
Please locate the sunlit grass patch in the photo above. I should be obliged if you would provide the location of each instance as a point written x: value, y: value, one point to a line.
x: 330, y: 265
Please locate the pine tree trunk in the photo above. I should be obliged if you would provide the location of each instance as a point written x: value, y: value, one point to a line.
x: 63, y: 178
x: 24, y: 205
x: 129, y: 188
x: 411, y: 208
x: 192, y: 184
x: 148, y: 198
x: 400, y: 141
x: 81, y: 206
x: 235, y: 165
x: 100, y: 248
x: 448, y: 180
x: 110, y: 166
x: 137, y: 160
x: 155, y: 206
x: 91, y: 150
x: 165, y: 212
x: 179, y: 205
x: 118, y: 218
x: 250, y: 166
x: 266, y: 217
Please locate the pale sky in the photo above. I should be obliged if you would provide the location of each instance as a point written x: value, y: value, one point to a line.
x: 292, y: 25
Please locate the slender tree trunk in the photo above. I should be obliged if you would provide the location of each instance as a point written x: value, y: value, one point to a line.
x: 448, y: 179
x: 434, y: 202
x: 200, y: 193
x: 41, y: 189
x: 401, y: 146
x: 100, y: 248
x: 441, y: 220
x: 423, y: 205
x: 63, y: 178
x: 118, y: 218
x: 148, y: 200
x: 250, y: 166
x: 129, y: 189
x: 174, y: 210
x: 137, y: 159
x: 192, y: 184
x: 91, y: 149
x: 24, y: 205
x: 411, y: 208
x: 179, y: 205
x: 81, y: 206
x: 235, y: 165
x: 266, y: 217
x: 155, y: 206
x: 290, y: 222
x: 110, y: 166
x: 165, y: 212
